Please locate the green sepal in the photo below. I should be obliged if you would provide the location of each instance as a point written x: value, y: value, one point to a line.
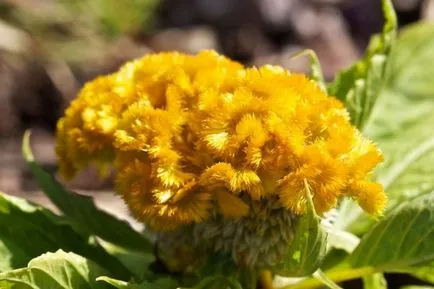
x: 316, y: 73
x: 308, y: 249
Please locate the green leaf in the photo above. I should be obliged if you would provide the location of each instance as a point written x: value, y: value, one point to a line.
x: 114, y: 282
x: 423, y: 272
x: 414, y: 51
x: 325, y: 280
x: 7, y: 255
x: 417, y: 287
x: 218, y: 281
x: 27, y: 231
x: 342, y: 240
x: 136, y: 262
x: 333, y: 258
x: 307, y: 251
x: 403, y: 239
x: 315, y: 67
x: 220, y: 271
x: 402, y: 125
x: 374, y: 281
x: 83, y: 210
x: 359, y: 86
x: 58, y: 270
x: 161, y: 283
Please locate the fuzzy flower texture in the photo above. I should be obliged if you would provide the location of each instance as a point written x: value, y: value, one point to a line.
x: 200, y: 139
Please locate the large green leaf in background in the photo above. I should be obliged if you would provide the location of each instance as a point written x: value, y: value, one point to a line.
x: 83, y: 210
x: 399, y: 243
x: 402, y: 125
x: 403, y: 121
x: 28, y: 231
x: 58, y: 270
x: 404, y: 239
x: 424, y: 272
x: 137, y: 262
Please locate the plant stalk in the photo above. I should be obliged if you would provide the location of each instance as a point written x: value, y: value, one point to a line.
x: 335, y: 276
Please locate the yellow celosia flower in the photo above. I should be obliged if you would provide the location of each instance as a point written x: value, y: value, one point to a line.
x: 197, y: 139
x: 85, y: 134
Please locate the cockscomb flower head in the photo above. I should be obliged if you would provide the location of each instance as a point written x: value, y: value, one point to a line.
x: 204, y: 146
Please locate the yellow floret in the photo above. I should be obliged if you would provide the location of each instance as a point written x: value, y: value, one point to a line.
x: 84, y: 134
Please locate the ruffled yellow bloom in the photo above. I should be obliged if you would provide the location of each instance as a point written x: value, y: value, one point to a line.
x: 200, y: 137
x: 85, y: 134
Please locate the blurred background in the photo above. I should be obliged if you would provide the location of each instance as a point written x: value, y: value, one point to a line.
x: 49, y: 48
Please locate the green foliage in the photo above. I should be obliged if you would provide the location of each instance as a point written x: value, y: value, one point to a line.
x: 161, y: 283
x: 210, y: 282
x: 401, y: 124
x: 417, y: 287
x: 410, y: 74
x: 324, y: 279
x: 375, y: 281
x: 107, y: 18
x: 315, y: 67
x: 137, y: 262
x: 58, y: 270
x: 401, y: 240
x: 75, y: 31
x: 28, y: 231
x: 83, y: 210
x: 390, y: 96
x: 307, y: 251
x: 424, y: 272
x: 120, y: 17
x: 218, y: 281
x: 359, y: 86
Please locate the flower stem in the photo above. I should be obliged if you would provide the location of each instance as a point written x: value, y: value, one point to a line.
x: 335, y: 276
x: 266, y: 279
x: 325, y: 280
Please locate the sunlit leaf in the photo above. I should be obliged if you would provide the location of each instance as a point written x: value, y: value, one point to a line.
x: 27, y: 231
x: 161, y: 283
x: 403, y: 239
x: 402, y: 125
x: 58, y: 270
x: 374, y: 281
x: 359, y: 86
x: 83, y: 210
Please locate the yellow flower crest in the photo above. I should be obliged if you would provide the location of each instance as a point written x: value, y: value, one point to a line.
x: 191, y: 136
